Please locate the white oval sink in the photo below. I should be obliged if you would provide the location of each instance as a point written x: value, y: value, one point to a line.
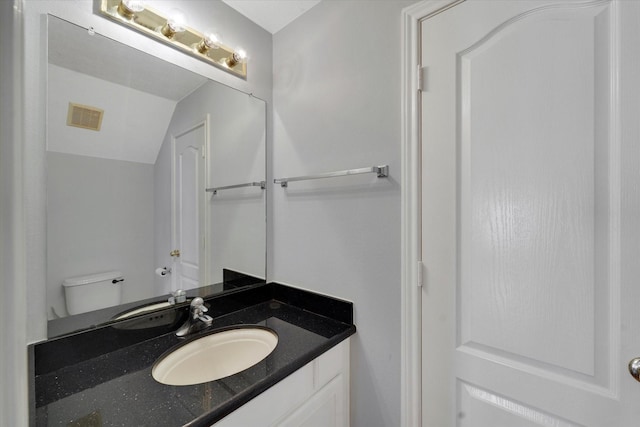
x: 214, y: 356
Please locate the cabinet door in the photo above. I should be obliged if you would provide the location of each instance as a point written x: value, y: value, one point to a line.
x: 326, y: 408
x: 269, y: 406
x: 315, y: 395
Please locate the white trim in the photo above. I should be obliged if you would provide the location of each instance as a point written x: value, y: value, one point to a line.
x: 411, y: 354
x: 411, y: 298
x: 14, y: 380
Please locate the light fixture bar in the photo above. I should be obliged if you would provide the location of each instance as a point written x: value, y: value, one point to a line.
x: 154, y: 24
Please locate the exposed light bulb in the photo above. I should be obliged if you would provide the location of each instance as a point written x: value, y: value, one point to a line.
x: 242, y: 54
x: 210, y: 40
x: 176, y: 23
x: 239, y: 56
x: 128, y: 8
x: 134, y: 5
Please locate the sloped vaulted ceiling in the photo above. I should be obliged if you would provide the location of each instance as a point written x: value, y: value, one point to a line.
x: 137, y: 92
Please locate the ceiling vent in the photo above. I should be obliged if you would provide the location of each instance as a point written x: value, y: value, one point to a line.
x: 84, y: 116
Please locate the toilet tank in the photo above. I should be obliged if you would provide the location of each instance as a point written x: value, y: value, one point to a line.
x: 92, y: 291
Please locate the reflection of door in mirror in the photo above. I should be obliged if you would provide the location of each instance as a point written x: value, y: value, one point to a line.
x: 187, y: 216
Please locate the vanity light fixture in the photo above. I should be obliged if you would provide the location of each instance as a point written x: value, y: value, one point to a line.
x: 171, y: 29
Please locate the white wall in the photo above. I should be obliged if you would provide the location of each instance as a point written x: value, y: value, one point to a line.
x: 133, y: 124
x: 99, y: 218
x: 236, y: 218
x: 236, y: 154
x: 336, y: 106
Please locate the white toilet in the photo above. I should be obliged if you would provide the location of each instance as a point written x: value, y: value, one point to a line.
x: 93, y: 291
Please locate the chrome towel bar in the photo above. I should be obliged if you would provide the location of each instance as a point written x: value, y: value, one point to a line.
x: 381, y: 171
x: 261, y: 184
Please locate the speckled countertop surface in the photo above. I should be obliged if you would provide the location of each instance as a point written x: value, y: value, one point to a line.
x: 116, y: 388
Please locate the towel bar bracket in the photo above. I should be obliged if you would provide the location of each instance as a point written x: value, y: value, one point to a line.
x: 382, y: 171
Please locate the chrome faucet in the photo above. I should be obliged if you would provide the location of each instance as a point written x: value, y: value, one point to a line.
x: 197, y: 319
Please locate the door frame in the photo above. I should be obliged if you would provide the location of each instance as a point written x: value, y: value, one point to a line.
x: 412, y: 271
x: 411, y: 327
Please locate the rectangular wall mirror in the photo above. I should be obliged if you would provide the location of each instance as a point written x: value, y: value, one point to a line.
x: 133, y: 145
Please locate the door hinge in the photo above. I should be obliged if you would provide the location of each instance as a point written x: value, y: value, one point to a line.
x: 422, y: 78
x: 420, y: 274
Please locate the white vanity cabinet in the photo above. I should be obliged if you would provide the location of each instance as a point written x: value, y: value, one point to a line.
x: 316, y: 395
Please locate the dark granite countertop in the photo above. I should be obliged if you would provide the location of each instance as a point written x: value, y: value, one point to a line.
x: 233, y: 281
x: 113, y: 386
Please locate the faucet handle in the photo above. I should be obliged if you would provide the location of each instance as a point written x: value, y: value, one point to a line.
x: 197, y: 301
x: 197, y: 320
x: 208, y: 320
x: 198, y: 307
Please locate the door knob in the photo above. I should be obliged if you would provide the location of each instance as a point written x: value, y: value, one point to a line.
x: 175, y: 252
x: 634, y: 368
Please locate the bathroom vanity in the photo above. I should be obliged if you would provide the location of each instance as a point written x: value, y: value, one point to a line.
x: 104, y: 376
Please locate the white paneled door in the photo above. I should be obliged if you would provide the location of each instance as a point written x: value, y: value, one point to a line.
x: 530, y: 214
x: 188, y: 196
